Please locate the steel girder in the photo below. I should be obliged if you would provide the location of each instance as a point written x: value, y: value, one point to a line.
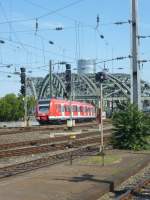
x: 83, y: 85
x: 85, y: 88
x: 124, y: 88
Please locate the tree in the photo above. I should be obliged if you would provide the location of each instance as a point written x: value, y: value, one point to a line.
x: 11, y: 108
x: 31, y: 102
x: 131, y: 128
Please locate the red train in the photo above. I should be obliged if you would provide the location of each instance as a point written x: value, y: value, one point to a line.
x: 58, y: 110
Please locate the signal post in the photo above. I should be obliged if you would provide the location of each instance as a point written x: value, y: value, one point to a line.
x: 101, y: 77
x: 69, y: 93
x: 23, y: 92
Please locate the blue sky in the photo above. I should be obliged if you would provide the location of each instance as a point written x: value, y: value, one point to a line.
x: 25, y: 47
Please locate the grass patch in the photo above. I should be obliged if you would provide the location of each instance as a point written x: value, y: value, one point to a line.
x: 108, y: 159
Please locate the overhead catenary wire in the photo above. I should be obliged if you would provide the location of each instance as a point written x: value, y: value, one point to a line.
x: 113, y: 59
x: 26, y: 45
x: 77, y: 41
x: 40, y: 49
x: 56, y: 11
x: 37, y: 48
x: 40, y: 29
x: 58, y: 14
x: 43, y: 47
x: 52, y: 43
x: 10, y: 25
x: 61, y: 8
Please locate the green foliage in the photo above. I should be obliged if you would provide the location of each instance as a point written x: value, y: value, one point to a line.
x: 131, y: 128
x: 12, y: 107
x: 31, y: 102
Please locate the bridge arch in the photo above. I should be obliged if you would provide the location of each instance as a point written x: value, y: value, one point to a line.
x: 58, y: 86
x: 82, y: 85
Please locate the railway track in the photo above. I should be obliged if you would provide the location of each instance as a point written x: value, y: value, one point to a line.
x: 59, y: 149
x: 54, y: 158
x: 138, y: 190
x: 54, y: 145
x: 17, y: 130
x: 7, y: 131
x: 50, y: 139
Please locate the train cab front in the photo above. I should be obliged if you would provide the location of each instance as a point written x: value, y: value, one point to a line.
x: 42, y: 111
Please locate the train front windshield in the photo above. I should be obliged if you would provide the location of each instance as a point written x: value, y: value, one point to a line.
x: 43, y: 109
x: 44, y: 106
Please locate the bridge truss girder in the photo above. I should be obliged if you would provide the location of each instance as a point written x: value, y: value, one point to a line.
x: 84, y: 87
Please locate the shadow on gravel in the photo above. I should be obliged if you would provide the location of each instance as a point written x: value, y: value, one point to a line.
x: 90, y: 177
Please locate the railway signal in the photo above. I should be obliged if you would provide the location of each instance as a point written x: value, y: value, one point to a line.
x: 23, y: 81
x: 100, y: 77
x: 23, y: 91
x: 68, y: 80
x: 68, y: 93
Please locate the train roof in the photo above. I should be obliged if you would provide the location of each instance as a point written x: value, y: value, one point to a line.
x: 42, y: 101
x: 73, y: 102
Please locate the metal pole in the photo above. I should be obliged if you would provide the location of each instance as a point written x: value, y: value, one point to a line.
x: 71, y: 104
x: 50, y: 78
x: 101, y: 120
x: 101, y: 124
x: 136, y: 86
x: 25, y: 104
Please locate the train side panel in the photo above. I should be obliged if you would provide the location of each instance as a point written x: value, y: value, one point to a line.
x: 59, y: 110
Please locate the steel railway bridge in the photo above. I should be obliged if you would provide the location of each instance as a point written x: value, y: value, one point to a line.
x: 84, y: 87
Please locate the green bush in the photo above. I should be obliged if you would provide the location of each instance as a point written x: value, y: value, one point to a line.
x: 131, y: 128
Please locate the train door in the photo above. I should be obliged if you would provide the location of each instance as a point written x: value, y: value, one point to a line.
x: 63, y: 111
x: 78, y: 107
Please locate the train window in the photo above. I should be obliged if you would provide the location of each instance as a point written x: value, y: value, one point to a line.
x: 74, y: 108
x: 84, y: 109
x: 62, y: 108
x: 43, y: 102
x: 78, y: 108
x: 67, y: 108
x: 58, y: 107
x: 92, y: 110
x: 43, y: 109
